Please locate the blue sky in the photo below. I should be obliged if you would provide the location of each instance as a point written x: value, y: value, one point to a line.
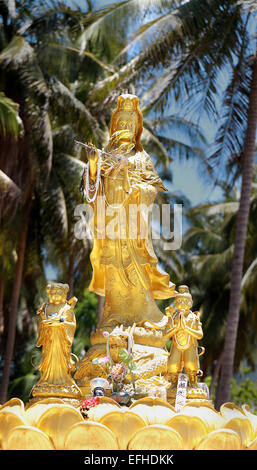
x: 186, y: 179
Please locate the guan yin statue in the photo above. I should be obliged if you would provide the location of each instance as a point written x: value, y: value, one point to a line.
x: 118, y: 181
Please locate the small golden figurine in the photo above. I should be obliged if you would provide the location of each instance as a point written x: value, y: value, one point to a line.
x: 56, y: 329
x: 186, y: 330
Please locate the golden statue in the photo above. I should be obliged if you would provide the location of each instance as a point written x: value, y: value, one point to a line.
x: 186, y: 330
x: 56, y: 328
x: 125, y: 269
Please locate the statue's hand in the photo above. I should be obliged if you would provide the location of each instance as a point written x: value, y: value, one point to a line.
x: 92, y: 153
x: 182, y: 319
x: 92, y: 156
x: 72, y: 302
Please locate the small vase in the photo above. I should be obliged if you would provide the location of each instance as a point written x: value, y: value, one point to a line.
x: 121, y: 397
x: 99, y: 386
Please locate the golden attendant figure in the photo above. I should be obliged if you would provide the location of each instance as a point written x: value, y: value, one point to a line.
x: 56, y: 329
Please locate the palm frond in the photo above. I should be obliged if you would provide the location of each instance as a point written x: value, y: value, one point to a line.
x: 247, y: 277
x: 165, y: 25
x: 248, y: 5
x: 226, y: 207
x: 54, y: 211
x: 11, y: 8
x: 106, y: 68
x: 10, y: 195
x: 17, y: 53
x: 10, y: 122
x: 230, y: 135
x: 153, y: 146
x: 204, y: 49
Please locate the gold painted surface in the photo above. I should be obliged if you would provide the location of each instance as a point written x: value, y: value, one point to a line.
x: 56, y: 329
x: 242, y: 426
x: 185, y: 331
x: 14, y: 404
x: 124, y: 424
x: 8, y: 420
x: 252, y: 445
x: 90, y: 436
x: 230, y: 410
x: 206, y: 412
x: 56, y: 421
x: 191, y: 428
x: 221, y: 439
x: 153, y: 410
x: 96, y: 413
x: 125, y: 264
x: 27, y: 438
x: 156, y: 437
x: 252, y: 417
x: 42, y: 403
x: 34, y: 411
x: 195, y: 424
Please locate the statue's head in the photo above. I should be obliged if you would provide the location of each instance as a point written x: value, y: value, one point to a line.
x: 118, y: 340
x: 183, y: 299
x: 57, y: 292
x: 128, y: 117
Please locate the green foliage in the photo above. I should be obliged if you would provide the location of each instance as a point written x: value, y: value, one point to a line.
x: 127, y: 359
x: 86, y: 316
x: 244, y: 393
x: 241, y: 393
x: 21, y: 387
x: 9, y: 116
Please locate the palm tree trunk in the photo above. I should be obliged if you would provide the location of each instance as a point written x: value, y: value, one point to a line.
x: 1, y: 306
x: 11, y: 331
x: 239, y: 248
x: 216, y: 373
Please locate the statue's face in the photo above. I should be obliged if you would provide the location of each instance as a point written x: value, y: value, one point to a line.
x: 183, y: 303
x: 126, y: 122
x: 56, y: 296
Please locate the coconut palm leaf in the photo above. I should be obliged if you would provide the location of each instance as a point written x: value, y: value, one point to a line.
x: 153, y: 146
x: 9, y: 195
x: 10, y: 121
x: 229, y: 138
x: 62, y: 99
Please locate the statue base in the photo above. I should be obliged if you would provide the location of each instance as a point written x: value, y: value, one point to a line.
x: 193, y: 393
x: 69, y: 401
x: 47, y: 390
x: 185, y: 395
x: 149, y: 355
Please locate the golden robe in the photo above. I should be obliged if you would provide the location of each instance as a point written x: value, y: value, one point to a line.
x: 125, y: 268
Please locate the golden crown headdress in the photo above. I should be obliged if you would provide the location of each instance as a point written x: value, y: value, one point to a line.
x: 128, y: 104
x: 57, y: 287
x: 183, y: 293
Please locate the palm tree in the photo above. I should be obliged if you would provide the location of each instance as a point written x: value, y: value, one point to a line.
x: 27, y: 160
